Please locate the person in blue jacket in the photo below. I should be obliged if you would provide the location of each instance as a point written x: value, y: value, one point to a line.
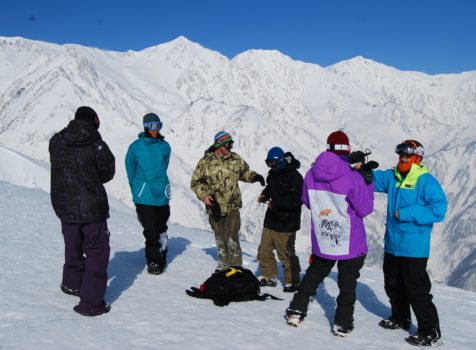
x: 415, y: 202
x: 147, y: 160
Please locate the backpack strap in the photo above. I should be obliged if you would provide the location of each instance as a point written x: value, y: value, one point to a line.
x: 266, y: 296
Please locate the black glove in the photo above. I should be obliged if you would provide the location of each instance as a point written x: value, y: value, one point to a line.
x: 259, y: 178
x: 370, y: 165
x: 366, y: 171
x: 215, y: 208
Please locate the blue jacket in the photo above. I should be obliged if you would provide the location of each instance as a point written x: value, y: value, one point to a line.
x: 420, y: 201
x: 147, y: 160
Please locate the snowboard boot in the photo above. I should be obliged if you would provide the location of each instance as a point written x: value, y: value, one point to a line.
x: 69, y: 291
x: 431, y: 339
x: 294, y: 317
x: 392, y: 323
x: 267, y: 282
x: 290, y: 288
x: 343, y: 331
x: 154, y: 268
x: 96, y: 311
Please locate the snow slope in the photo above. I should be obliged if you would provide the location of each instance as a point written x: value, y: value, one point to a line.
x: 153, y: 312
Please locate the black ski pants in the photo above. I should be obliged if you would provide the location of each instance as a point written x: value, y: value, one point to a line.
x: 348, y: 271
x: 154, y: 221
x: 86, y: 257
x: 407, y: 284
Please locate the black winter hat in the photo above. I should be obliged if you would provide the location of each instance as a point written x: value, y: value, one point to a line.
x: 88, y: 115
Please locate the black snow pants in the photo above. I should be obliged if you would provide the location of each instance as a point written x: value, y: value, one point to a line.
x: 154, y: 221
x: 348, y: 273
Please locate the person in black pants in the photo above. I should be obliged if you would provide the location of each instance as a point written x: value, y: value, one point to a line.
x: 147, y: 160
x: 339, y: 198
x: 81, y: 163
x: 415, y: 202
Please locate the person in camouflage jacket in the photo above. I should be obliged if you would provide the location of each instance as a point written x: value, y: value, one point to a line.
x: 215, y: 182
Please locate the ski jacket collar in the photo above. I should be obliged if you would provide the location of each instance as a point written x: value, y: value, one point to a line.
x: 143, y: 135
x: 410, y: 180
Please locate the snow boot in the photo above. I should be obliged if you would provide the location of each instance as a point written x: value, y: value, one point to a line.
x: 392, y: 323
x: 99, y: 310
x: 267, y: 282
x: 294, y: 317
x: 69, y: 291
x: 431, y: 339
x: 290, y: 288
x: 342, y: 331
x: 154, y: 269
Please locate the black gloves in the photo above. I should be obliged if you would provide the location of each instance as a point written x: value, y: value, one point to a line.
x: 259, y: 178
x: 365, y: 168
x: 366, y: 171
x: 215, y: 208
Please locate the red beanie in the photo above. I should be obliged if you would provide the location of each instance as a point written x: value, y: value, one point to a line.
x: 338, y: 143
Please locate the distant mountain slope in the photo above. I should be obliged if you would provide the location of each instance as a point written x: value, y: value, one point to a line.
x: 264, y: 99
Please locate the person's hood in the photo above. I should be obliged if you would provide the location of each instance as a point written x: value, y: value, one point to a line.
x: 79, y: 133
x: 329, y: 167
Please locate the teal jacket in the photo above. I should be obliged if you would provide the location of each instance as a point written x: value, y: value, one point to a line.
x: 147, y: 160
x: 420, y: 201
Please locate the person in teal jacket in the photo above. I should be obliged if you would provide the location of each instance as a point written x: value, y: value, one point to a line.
x: 415, y: 202
x: 147, y: 160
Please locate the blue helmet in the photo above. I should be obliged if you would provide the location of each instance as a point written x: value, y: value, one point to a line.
x: 274, y: 157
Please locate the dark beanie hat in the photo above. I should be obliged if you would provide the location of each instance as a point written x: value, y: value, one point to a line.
x: 338, y: 142
x: 88, y: 115
x: 151, y: 118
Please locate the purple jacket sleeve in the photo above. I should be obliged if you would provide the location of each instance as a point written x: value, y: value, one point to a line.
x: 362, y: 197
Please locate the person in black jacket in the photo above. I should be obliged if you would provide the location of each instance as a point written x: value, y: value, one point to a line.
x: 282, y: 219
x: 81, y: 163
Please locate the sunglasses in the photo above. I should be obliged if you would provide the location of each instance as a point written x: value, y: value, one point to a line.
x: 153, y: 126
x: 406, y: 149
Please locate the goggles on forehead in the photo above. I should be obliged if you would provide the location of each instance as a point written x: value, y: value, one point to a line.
x: 406, y: 149
x: 153, y: 126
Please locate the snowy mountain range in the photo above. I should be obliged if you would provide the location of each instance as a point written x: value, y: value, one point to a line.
x: 264, y: 99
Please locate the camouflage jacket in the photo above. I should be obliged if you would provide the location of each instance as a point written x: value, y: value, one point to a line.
x: 218, y: 177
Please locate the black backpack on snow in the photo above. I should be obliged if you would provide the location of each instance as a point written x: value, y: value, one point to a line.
x: 233, y: 284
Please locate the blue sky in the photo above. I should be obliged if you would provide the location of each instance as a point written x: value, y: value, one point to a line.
x: 432, y: 36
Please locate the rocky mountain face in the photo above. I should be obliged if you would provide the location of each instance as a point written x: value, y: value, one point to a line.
x: 264, y: 99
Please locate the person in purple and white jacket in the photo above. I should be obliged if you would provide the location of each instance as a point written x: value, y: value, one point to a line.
x: 339, y: 199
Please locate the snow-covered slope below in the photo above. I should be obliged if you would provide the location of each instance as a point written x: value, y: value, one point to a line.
x: 153, y: 312
x: 264, y: 99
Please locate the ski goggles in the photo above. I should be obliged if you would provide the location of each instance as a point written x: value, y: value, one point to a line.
x: 153, y: 126
x: 227, y: 144
x: 273, y: 163
x: 406, y: 149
